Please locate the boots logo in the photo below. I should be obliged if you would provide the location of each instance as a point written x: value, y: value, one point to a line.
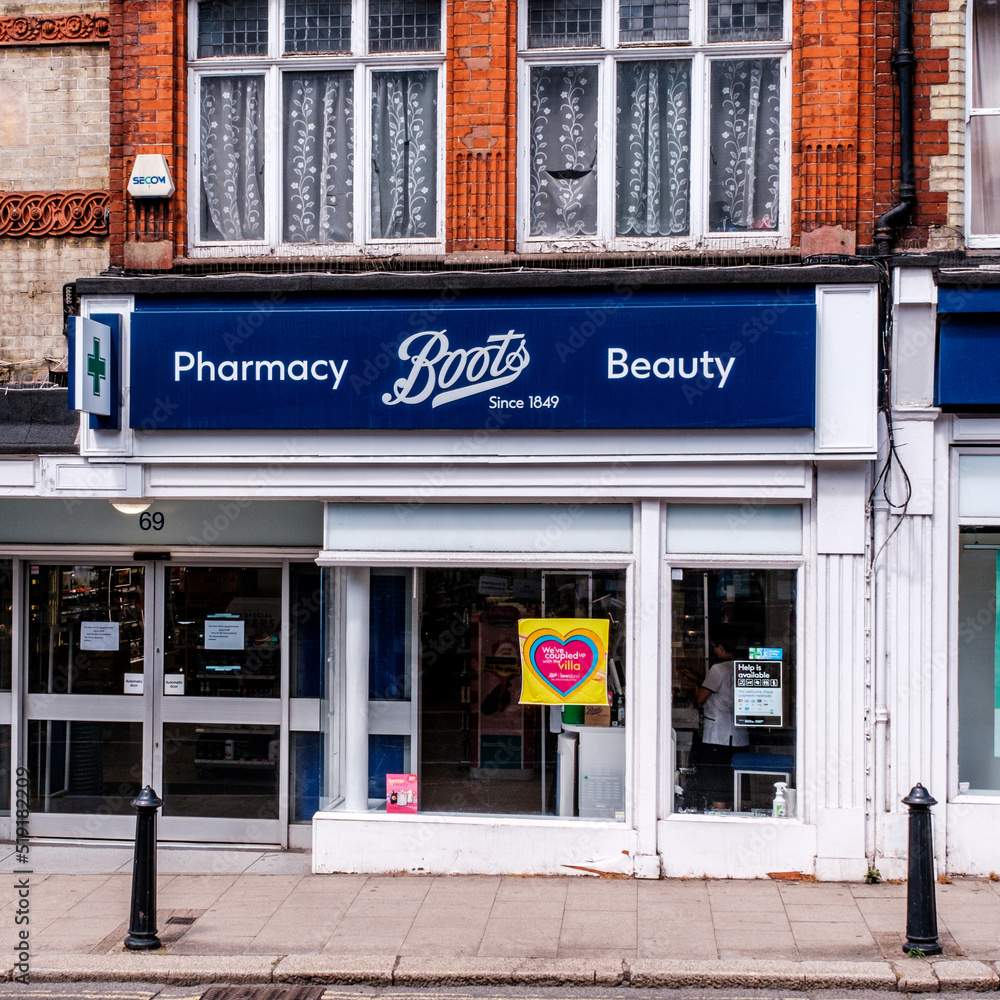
x: 443, y: 375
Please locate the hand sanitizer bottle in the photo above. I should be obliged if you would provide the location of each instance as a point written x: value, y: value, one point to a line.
x: 779, y: 808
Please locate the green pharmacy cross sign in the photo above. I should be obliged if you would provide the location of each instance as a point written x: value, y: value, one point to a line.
x: 93, y: 364
x: 97, y: 366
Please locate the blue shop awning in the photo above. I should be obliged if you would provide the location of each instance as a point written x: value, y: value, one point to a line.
x: 968, y: 361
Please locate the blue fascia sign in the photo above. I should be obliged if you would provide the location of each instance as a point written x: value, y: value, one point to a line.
x: 607, y: 359
x: 968, y: 348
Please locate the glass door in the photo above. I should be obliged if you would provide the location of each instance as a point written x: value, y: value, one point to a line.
x: 221, y: 667
x: 86, y: 704
x: 172, y: 676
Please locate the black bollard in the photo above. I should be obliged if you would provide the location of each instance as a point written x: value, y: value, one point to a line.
x: 921, y: 913
x: 142, y: 919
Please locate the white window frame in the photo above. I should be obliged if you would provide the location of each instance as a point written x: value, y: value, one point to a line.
x: 983, y: 241
x: 271, y: 67
x: 715, y: 562
x: 701, y: 54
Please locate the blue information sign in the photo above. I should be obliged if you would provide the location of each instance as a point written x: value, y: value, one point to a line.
x: 614, y: 359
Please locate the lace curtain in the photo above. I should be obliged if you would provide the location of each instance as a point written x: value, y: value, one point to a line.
x: 232, y: 158
x: 404, y: 154
x: 745, y: 145
x: 984, y: 130
x: 653, y: 161
x: 563, y: 169
x: 319, y: 158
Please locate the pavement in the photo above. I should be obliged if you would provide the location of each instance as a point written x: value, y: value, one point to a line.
x: 258, y: 916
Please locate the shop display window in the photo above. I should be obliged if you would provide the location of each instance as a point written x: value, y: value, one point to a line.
x: 734, y: 654
x: 445, y: 684
x: 978, y: 660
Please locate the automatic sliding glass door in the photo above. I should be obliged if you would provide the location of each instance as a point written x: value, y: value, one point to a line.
x: 222, y: 666
x: 86, y: 706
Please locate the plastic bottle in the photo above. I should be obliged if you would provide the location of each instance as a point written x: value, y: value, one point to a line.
x: 779, y: 808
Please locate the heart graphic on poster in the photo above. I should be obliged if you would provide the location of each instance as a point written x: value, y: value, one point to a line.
x: 564, y: 663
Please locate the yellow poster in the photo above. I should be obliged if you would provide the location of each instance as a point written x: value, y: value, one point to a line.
x: 564, y: 661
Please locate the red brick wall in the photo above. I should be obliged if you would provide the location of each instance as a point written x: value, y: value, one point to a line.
x: 845, y: 156
x: 148, y: 115
x: 481, y: 142
x: 930, y: 136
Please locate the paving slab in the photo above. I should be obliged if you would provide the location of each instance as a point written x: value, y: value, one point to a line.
x: 155, y: 967
x: 956, y: 975
x: 914, y: 975
x: 366, y: 970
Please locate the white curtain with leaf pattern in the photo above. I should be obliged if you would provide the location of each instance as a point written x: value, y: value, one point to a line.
x: 404, y: 154
x: 653, y: 161
x: 232, y: 158
x: 319, y: 158
x: 745, y: 145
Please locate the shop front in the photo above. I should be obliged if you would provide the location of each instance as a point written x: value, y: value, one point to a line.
x: 676, y: 460
x: 968, y: 546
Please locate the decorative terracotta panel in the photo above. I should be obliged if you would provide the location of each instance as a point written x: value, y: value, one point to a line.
x: 73, y: 28
x: 53, y: 213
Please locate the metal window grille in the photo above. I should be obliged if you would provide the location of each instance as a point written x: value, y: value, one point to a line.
x: 317, y: 26
x: 653, y: 22
x: 563, y: 23
x: 744, y: 20
x: 232, y: 28
x: 404, y: 25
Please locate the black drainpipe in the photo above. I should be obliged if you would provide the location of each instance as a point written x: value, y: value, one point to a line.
x: 904, y: 63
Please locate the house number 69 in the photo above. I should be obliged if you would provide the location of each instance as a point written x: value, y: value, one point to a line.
x: 154, y: 521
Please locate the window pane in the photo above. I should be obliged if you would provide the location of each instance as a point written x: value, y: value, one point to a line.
x: 758, y: 528
x: 6, y: 621
x: 84, y: 767
x: 985, y: 54
x: 984, y: 187
x: 745, y: 145
x: 315, y: 26
x: 223, y: 632
x: 744, y: 20
x: 306, y: 630
x: 232, y: 158
x: 305, y: 776
x: 85, y: 630
x: 389, y: 626
x: 734, y: 678
x: 319, y: 158
x: 482, y: 751
x: 978, y: 661
x: 563, y: 179
x: 653, y: 148
x: 220, y: 770
x: 404, y: 25
x: 404, y: 154
x: 232, y: 28
x: 563, y: 23
x: 653, y: 22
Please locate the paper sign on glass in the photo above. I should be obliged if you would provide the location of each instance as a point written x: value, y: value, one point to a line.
x: 564, y: 661
x: 401, y: 793
x: 757, y: 692
x: 173, y: 684
x: 99, y: 636
x: 133, y: 684
x: 224, y: 635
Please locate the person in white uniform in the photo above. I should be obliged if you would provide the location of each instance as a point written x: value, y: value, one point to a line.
x: 720, y: 737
